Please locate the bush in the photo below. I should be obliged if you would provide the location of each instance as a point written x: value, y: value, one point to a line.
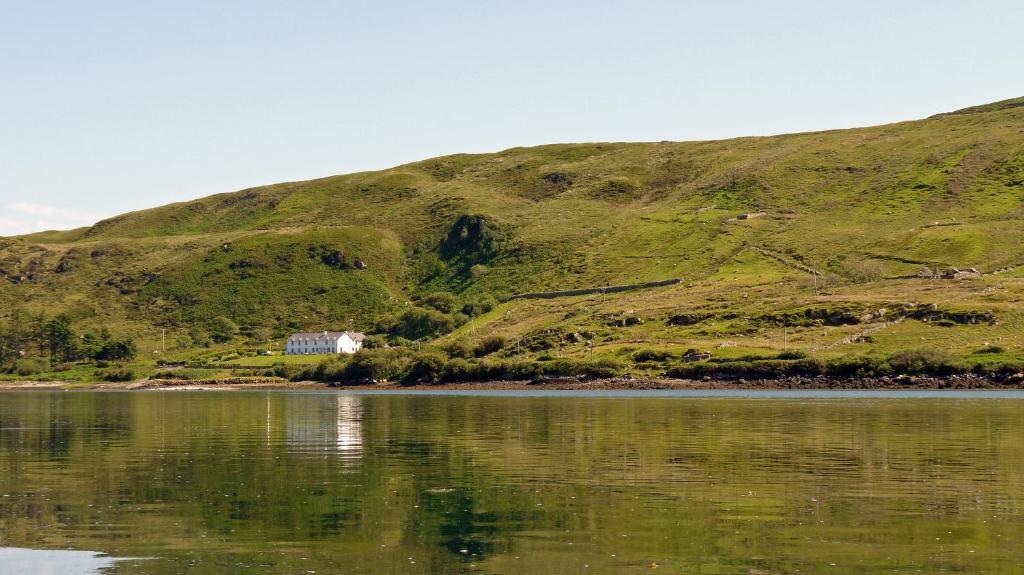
x: 400, y: 341
x: 376, y: 364
x: 290, y: 372
x: 758, y: 369
x: 601, y: 368
x: 425, y: 367
x: 30, y: 366
x: 480, y: 306
x: 1002, y: 369
x: 458, y: 369
x: 791, y: 354
x: 116, y: 374
x: 374, y: 342
x: 856, y: 367
x: 117, y: 350
x: 604, y: 367
x: 992, y: 349
x: 505, y: 370
x: 330, y: 369
x: 199, y: 337
x: 459, y: 348
x: 647, y: 354
x: 419, y: 323
x: 222, y: 329
x: 519, y: 370
x: 489, y: 345
x: 442, y: 301
x: 183, y: 374
x: 923, y: 361
x: 169, y: 375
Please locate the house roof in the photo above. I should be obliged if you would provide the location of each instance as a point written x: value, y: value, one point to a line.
x: 355, y: 335
x: 316, y: 334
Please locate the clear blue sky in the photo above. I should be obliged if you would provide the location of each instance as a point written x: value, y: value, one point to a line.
x: 115, y: 106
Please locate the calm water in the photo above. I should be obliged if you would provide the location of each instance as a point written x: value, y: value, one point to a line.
x: 240, y: 482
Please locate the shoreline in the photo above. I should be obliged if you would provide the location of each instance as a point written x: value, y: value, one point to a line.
x: 952, y: 382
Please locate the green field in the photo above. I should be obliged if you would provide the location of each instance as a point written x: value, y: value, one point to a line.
x: 846, y: 221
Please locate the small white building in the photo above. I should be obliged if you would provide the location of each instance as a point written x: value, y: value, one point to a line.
x: 325, y: 342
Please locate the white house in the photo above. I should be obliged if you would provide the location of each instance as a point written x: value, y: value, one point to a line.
x: 324, y: 342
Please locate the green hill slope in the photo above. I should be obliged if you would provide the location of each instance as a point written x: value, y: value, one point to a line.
x: 841, y: 222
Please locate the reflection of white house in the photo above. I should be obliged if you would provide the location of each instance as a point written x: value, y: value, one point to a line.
x: 324, y: 342
x: 349, y: 424
x: 319, y: 424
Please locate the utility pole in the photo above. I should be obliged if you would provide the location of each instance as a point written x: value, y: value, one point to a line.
x: 163, y: 340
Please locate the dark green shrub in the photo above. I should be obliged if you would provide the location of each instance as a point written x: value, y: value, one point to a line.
x: 199, y: 337
x: 376, y: 364
x: 30, y: 366
x: 655, y: 355
x: 426, y: 367
x: 857, y: 367
x: 116, y: 350
x: 759, y: 369
x: 374, y: 342
x: 458, y: 369
x: 480, y: 306
x: 791, y: 354
x: 604, y: 367
x: 443, y: 302
x: 601, y: 368
x: 991, y: 349
x: 419, y: 323
x: 330, y: 369
x: 923, y: 361
x: 116, y: 374
x: 461, y: 370
x: 459, y: 348
x: 291, y: 372
x: 170, y: 375
x: 1002, y: 369
x: 223, y: 329
x: 400, y: 341
x: 489, y: 345
x: 519, y: 370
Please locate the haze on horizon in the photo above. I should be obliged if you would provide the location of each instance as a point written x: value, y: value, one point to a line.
x: 117, y: 106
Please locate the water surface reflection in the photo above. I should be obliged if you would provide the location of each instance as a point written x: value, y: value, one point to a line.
x: 342, y: 483
x: 15, y: 561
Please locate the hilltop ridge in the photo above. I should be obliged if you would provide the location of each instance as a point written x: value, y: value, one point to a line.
x: 993, y: 107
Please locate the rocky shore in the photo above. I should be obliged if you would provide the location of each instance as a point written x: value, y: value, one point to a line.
x: 582, y: 384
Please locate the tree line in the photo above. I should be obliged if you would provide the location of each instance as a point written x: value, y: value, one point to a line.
x: 38, y: 337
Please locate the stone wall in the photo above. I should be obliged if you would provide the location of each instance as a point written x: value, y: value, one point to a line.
x: 588, y: 291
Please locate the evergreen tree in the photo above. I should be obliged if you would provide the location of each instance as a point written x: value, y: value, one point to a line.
x: 60, y: 339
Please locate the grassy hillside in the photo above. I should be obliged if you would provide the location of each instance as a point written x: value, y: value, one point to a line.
x: 842, y: 224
